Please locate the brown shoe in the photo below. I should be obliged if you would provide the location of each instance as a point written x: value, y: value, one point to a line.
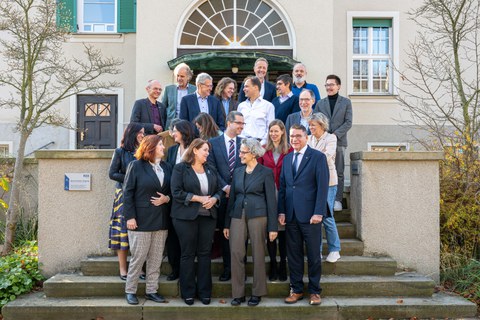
x: 293, y: 297
x: 315, y: 299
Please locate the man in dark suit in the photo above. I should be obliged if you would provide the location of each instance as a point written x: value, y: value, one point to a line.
x: 224, y: 157
x: 302, y: 204
x: 338, y: 110
x: 201, y: 101
x: 267, y: 91
x: 149, y: 112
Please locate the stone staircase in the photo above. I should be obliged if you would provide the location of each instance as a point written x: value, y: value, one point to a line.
x: 356, y: 287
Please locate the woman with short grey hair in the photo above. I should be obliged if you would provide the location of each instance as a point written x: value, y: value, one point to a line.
x: 326, y: 143
x: 252, y: 211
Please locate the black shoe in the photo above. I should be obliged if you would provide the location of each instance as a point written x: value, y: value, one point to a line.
x: 225, y: 276
x: 172, y: 276
x: 155, y: 297
x: 131, y: 298
x: 273, y: 275
x: 189, y: 301
x: 142, y: 276
x: 254, y: 301
x: 205, y: 301
x: 237, y: 301
x: 124, y: 278
x: 282, y: 272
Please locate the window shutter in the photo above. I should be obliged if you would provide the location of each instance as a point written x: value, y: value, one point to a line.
x: 67, y: 14
x: 387, y: 23
x: 127, y: 13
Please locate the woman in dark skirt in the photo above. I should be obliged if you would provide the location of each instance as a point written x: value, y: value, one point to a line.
x: 118, y: 238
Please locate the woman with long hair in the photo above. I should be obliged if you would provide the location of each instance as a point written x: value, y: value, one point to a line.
x: 122, y: 156
x: 146, y: 202
x: 206, y: 126
x: 275, y: 150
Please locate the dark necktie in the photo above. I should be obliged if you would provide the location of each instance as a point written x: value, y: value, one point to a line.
x: 231, y: 156
x: 295, y: 163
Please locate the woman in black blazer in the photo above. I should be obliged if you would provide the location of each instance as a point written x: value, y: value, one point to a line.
x: 252, y: 209
x: 196, y: 196
x: 146, y: 206
x: 118, y: 236
x: 183, y: 133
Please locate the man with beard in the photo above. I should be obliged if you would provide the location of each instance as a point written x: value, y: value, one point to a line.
x: 299, y: 75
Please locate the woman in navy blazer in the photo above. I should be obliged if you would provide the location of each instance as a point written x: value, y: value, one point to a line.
x: 276, y: 149
x: 252, y: 210
x: 146, y: 206
x: 196, y: 195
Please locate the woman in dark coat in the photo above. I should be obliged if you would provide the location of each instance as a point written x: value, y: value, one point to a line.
x: 118, y: 236
x: 146, y: 202
x: 196, y: 196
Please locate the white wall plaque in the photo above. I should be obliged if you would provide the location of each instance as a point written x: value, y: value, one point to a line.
x: 78, y: 182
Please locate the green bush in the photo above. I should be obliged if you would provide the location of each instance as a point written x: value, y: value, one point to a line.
x: 462, y: 275
x: 19, y: 272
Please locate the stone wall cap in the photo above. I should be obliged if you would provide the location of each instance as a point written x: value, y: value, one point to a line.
x: 397, y: 156
x: 74, y: 154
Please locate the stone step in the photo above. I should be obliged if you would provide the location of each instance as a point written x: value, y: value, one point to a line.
x: 405, y: 284
x: 343, y: 216
x: 347, y: 265
x: 350, y: 247
x: 36, y: 306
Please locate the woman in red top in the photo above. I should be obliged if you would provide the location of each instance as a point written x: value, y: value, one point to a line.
x: 276, y: 149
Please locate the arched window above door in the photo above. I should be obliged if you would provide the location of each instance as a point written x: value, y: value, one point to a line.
x: 235, y: 24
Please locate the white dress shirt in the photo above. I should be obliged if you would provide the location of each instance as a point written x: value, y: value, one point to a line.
x: 257, y: 118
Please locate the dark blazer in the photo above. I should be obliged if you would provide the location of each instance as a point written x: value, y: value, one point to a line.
x: 172, y: 154
x: 142, y: 114
x: 292, y: 119
x: 169, y: 99
x: 341, y: 120
x: 232, y: 106
x: 270, y: 92
x: 185, y: 185
x: 283, y: 110
x: 268, y: 161
x: 306, y: 193
x: 189, y: 109
x: 257, y: 197
x: 218, y: 158
x: 141, y: 184
x: 118, y: 167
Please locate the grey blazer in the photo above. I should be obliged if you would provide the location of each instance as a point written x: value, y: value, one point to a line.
x: 341, y: 120
x: 169, y: 99
x: 292, y: 119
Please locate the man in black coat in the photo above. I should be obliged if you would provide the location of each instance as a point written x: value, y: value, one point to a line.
x: 149, y: 112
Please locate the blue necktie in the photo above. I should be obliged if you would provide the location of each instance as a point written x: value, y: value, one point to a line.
x: 295, y: 164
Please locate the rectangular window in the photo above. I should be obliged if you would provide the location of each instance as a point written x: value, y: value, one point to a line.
x: 6, y: 148
x: 97, y: 16
x: 388, y: 146
x: 372, y: 52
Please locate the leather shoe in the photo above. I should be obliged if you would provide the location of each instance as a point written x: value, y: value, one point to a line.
x: 131, y: 298
x: 237, y: 301
x: 293, y: 297
x: 205, y: 301
x: 123, y: 277
x: 225, y: 276
x: 172, y: 276
x: 315, y: 299
x: 254, y: 301
x: 189, y: 301
x: 155, y: 297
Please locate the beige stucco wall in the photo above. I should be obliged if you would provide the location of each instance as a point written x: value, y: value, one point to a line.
x: 395, y: 205
x: 72, y: 224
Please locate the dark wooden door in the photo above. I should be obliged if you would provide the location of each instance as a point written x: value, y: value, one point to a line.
x: 97, y: 121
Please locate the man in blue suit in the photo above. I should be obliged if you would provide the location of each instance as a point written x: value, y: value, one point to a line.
x: 267, y: 91
x: 302, y: 205
x: 201, y: 101
x: 224, y: 156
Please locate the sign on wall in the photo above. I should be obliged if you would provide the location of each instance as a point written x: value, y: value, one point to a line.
x: 78, y: 182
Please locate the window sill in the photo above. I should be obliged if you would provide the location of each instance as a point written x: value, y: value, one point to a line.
x: 96, y: 37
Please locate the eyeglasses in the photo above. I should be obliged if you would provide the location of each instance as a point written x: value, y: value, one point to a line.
x: 207, y: 85
x: 244, y: 152
x: 239, y: 123
x: 296, y: 136
x: 327, y: 85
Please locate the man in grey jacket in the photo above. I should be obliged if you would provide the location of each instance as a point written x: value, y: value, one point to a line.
x: 338, y: 110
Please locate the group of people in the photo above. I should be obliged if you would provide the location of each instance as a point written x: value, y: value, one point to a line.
x: 267, y: 167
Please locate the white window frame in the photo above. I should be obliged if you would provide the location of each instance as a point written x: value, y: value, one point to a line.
x: 371, y: 145
x: 81, y: 25
x: 394, y: 51
x: 9, y: 145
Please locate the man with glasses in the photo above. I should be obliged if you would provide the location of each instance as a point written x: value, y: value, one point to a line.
x: 149, y: 112
x: 201, y: 101
x: 224, y: 156
x: 338, y: 110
